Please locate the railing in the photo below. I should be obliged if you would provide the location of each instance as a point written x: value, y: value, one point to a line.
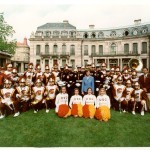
x: 54, y: 54
x: 119, y: 53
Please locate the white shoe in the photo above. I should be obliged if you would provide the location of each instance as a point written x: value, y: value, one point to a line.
x: 35, y: 111
x: 17, y: 114
x: 2, y: 116
x: 142, y: 113
x: 47, y: 110
x: 133, y: 112
x: 124, y: 111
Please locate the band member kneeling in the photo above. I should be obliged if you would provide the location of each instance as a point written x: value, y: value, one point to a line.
x: 89, y: 104
x: 103, y: 106
x: 8, y: 99
x: 38, y: 95
x: 76, y: 104
x: 62, y: 109
x: 139, y: 98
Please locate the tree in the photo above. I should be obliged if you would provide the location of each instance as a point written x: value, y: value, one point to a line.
x: 6, y: 32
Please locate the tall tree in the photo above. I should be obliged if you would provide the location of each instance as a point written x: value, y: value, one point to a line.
x: 6, y: 33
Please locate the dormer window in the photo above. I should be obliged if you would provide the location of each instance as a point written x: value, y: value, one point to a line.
x: 93, y: 35
x: 85, y: 35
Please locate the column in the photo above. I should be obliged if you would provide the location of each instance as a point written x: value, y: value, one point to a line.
x: 120, y: 63
x: 22, y: 67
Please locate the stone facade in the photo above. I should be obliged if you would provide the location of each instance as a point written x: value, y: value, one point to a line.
x: 21, y: 56
x: 62, y: 43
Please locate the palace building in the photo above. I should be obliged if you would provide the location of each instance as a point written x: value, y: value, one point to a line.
x: 62, y: 43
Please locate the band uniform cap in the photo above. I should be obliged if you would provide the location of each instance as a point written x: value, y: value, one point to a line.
x: 126, y: 71
x: 51, y: 80
x: 103, y: 64
x: 93, y: 65
x: 14, y: 70
x: 97, y: 66
x: 38, y: 81
x: 137, y: 83
x: 128, y: 82
x: 120, y: 78
x: 134, y: 73
x: 9, y: 65
x: 23, y: 80
x: 117, y: 69
x: 55, y: 67
x: 82, y: 67
x: 112, y: 69
x: 7, y: 81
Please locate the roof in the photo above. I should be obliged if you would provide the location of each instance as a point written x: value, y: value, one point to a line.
x: 56, y: 26
x: 6, y: 54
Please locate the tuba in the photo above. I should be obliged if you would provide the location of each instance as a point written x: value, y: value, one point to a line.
x: 135, y: 64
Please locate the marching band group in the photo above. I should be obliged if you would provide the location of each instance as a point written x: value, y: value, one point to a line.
x: 83, y: 92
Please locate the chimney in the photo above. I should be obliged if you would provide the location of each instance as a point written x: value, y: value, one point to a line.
x: 65, y: 21
x: 25, y: 41
x: 91, y: 26
x: 137, y: 22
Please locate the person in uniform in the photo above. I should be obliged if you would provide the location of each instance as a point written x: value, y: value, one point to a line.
x: 29, y: 75
x: 87, y: 82
x: 8, y: 70
x: 38, y: 95
x: 56, y: 73
x: 62, y: 109
x: 134, y: 78
x: 2, y: 77
x: 103, y: 106
x: 117, y: 91
x: 125, y: 76
x: 139, y: 98
x: 144, y: 81
x: 8, y: 101
x: 15, y: 77
x: 76, y: 104
x: 38, y: 73
x: 24, y: 94
x: 89, y: 104
x: 51, y: 91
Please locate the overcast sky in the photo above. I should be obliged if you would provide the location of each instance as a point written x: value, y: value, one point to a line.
x: 26, y: 16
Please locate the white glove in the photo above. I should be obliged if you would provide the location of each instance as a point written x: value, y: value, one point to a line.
x: 68, y: 85
x: 97, y: 89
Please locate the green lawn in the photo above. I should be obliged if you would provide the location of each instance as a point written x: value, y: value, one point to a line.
x: 47, y: 130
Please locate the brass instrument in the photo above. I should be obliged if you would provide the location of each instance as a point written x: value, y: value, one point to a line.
x: 135, y: 64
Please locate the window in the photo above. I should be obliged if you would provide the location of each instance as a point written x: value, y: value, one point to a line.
x: 85, y: 62
x: 135, y: 48
x: 126, y: 48
x: 72, y: 33
x: 46, y: 62
x: 113, y: 63
x: 144, y: 63
x: 56, y: 33
x: 93, y: 49
x: 64, y: 33
x: 72, y: 50
x: 144, y: 47
x: 55, y: 48
x: 38, y: 49
x: 93, y: 35
x: 113, y: 34
x: 38, y: 61
x: 100, y: 34
x: 47, y: 33
x: 46, y: 49
x: 63, y: 62
x: 113, y: 48
x: 101, y: 49
x: 85, y: 49
x: 73, y: 63
x: 63, y: 49
x: 85, y: 35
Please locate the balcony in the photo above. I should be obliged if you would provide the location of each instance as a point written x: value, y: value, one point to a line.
x: 119, y: 53
x: 55, y: 55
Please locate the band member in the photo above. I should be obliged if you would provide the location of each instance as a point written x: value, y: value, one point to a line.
x: 8, y: 99
x: 38, y: 95
x: 103, y: 106
x: 87, y: 82
x: 8, y: 71
x: 39, y: 73
x: 29, y: 75
x: 56, y: 73
x: 62, y: 109
x: 14, y: 77
x: 47, y: 75
x: 117, y: 92
x: 103, y: 68
x: 139, y: 99
x: 76, y: 104
x: 127, y: 96
x: 89, y: 104
x: 51, y: 91
x: 125, y: 76
x: 2, y: 77
x: 134, y: 78
x: 23, y: 95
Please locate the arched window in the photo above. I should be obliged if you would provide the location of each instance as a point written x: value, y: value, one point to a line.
x: 113, y: 34
x: 85, y: 35
x: 93, y: 35
x: 64, y: 33
x: 56, y: 33
x: 100, y: 34
x: 55, y: 49
x: 113, y: 48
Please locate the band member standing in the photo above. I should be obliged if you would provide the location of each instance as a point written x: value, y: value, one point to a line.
x: 103, y: 106
x: 38, y: 95
x: 62, y: 109
x: 39, y: 73
x: 125, y: 76
x: 87, y: 82
x: 23, y: 95
x: 14, y: 77
x: 117, y: 91
x: 89, y: 104
x: 76, y: 104
x: 2, y: 77
x: 51, y: 91
x: 8, y: 70
x: 56, y: 73
x: 139, y: 100
x: 134, y: 78
x: 8, y: 99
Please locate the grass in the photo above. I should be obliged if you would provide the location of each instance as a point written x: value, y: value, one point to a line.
x: 48, y: 130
